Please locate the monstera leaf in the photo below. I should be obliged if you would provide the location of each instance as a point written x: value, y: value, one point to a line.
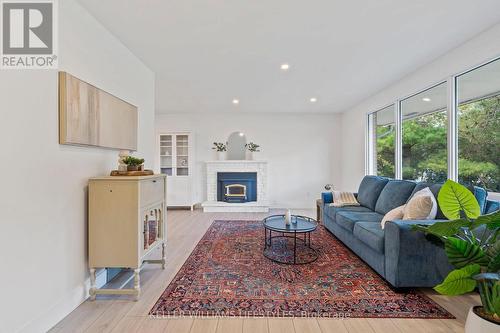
x: 494, y: 265
x: 462, y: 253
x: 492, y: 221
x: 459, y: 281
x: 494, y: 249
x: 495, y: 298
x: 447, y: 228
x: 454, y: 198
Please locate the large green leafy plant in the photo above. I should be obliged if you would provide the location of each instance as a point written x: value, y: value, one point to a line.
x: 472, y: 246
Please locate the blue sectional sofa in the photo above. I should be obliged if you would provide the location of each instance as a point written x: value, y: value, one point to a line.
x: 405, y: 258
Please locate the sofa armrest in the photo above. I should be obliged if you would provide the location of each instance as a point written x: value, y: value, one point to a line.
x: 327, y: 197
x: 411, y: 260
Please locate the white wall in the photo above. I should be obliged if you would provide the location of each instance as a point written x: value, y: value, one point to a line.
x: 301, y: 149
x: 483, y: 47
x: 43, y: 227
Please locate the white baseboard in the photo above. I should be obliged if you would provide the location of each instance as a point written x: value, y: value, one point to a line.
x: 63, y: 307
x: 49, y: 318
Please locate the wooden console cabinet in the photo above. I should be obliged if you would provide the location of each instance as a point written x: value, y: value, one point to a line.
x: 126, y: 222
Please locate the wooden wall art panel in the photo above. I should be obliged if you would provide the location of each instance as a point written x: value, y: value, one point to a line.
x: 90, y: 116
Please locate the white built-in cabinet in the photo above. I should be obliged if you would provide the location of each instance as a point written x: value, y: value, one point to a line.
x: 176, y: 161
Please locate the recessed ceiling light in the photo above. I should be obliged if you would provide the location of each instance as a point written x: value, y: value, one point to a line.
x: 426, y: 99
x: 285, y: 67
x: 236, y: 101
x: 313, y: 99
x: 241, y: 134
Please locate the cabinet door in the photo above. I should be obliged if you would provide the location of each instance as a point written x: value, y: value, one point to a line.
x: 166, y: 154
x: 182, y: 155
x: 179, y: 191
x: 152, y: 226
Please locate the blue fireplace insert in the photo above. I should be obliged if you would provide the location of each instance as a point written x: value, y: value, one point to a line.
x: 237, y: 186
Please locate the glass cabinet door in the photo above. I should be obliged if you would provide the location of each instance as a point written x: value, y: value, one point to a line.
x: 182, y: 158
x: 166, y: 152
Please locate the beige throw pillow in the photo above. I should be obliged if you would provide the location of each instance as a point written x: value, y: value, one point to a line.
x: 341, y: 199
x: 418, y: 208
x: 427, y: 192
x: 395, y: 214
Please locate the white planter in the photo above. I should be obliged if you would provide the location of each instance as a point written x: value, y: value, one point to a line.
x: 122, y: 166
x: 221, y: 155
x: 476, y: 324
x: 249, y: 155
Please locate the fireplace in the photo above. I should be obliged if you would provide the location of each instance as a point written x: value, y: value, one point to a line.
x: 250, y: 173
x: 236, y: 186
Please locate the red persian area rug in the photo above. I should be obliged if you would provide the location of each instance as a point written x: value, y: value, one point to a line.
x: 228, y: 275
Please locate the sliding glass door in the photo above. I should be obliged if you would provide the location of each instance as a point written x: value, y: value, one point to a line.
x: 478, y: 118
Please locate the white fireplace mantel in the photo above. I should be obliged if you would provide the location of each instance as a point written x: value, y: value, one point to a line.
x: 214, y: 167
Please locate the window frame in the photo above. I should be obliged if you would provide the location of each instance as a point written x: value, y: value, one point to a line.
x: 451, y: 130
x: 369, y: 165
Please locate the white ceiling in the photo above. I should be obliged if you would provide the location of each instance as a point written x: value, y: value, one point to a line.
x: 206, y: 53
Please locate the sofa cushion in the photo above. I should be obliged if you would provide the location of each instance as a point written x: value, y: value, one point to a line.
x: 370, y: 189
x: 394, y: 194
x: 481, y: 195
x: 491, y: 206
x: 347, y: 219
x: 371, y: 234
x: 331, y: 211
x: 435, y: 188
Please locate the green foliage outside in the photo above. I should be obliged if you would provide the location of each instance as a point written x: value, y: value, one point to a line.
x: 386, y: 136
x: 425, y: 146
x: 479, y: 143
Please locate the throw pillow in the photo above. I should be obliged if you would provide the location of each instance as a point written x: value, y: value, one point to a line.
x: 395, y: 214
x: 427, y: 192
x: 342, y: 199
x: 418, y: 208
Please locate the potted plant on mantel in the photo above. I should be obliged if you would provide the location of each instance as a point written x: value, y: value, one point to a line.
x: 472, y: 246
x: 133, y: 163
x: 221, y: 149
x: 251, y: 148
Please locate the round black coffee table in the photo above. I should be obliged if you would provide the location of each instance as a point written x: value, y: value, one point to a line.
x: 296, y: 251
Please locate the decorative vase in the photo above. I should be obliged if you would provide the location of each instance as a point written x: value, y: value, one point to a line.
x: 221, y: 155
x: 249, y: 155
x: 121, y: 155
x: 288, y: 217
x: 477, y: 324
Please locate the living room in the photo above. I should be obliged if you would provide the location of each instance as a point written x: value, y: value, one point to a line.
x: 233, y: 167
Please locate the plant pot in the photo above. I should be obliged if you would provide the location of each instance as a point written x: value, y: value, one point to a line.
x: 133, y: 167
x: 221, y: 155
x: 477, y: 324
x: 249, y: 155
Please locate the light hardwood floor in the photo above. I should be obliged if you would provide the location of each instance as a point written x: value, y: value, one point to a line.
x: 185, y: 229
